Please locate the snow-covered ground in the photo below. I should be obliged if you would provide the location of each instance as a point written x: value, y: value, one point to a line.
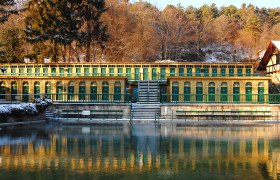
x: 24, y: 108
x: 224, y: 53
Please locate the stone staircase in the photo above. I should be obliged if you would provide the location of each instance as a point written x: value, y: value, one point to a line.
x: 148, y: 92
x: 148, y: 105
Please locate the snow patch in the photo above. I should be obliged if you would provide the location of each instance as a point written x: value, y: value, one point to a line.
x: 224, y: 53
x: 24, y: 108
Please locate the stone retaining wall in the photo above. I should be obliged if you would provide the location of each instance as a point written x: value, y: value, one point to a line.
x: 168, y: 111
x: 55, y: 108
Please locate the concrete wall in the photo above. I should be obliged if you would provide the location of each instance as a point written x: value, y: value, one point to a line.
x: 168, y: 112
x: 86, y: 107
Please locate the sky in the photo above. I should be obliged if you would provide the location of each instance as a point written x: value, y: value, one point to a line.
x: 161, y: 4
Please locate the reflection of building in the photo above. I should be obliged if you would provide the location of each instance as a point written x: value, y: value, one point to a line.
x: 179, y: 152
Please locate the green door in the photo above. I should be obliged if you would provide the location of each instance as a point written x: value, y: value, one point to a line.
x: 82, y: 92
x: 59, y: 92
x: 53, y: 71
x: 224, y: 96
x: 70, y: 95
x: 94, y: 72
x: 154, y: 73
x: 181, y: 71
x: 145, y: 74
x: 21, y: 71
x: 78, y: 71
x: 111, y: 71
x: 223, y: 72
x: 29, y: 71
x: 214, y: 72
x: 162, y: 74
x: 261, y: 94
x: 37, y: 71
x: 13, y: 71
x: 37, y: 91
x: 239, y: 72
x: 236, y: 94
x: 128, y: 73
x: 103, y: 71
x: 137, y: 74
x: 105, y: 92
x: 248, y: 94
x: 189, y: 72
x: 86, y: 71
x: 175, y: 93
x: 48, y: 91
x: 13, y: 92
x: 248, y: 72
x: 120, y: 71
x: 2, y: 92
x: 172, y: 71
x: 206, y: 72
x: 187, y: 92
x: 70, y: 71
x: 45, y: 71
x: 25, y: 92
x: 61, y: 71
x: 197, y: 71
x: 93, y: 93
x: 199, y: 94
x: 211, y: 94
x: 231, y: 72
x: 117, y: 93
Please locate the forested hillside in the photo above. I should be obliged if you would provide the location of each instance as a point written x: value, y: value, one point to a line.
x: 121, y: 31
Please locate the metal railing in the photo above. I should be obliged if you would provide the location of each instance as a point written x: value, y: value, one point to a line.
x: 222, y: 98
x: 132, y: 76
x: 71, y: 98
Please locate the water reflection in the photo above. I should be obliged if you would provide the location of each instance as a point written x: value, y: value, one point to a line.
x: 140, y: 151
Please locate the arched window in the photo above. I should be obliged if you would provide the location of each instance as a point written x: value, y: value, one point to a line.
x: 248, y: 84
x: 211, y: 84
x: 187, y: 84
x: 236, y: 84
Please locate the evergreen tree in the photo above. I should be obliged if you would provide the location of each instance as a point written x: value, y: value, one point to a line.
x: 52, y: 21
x: 95, y: 32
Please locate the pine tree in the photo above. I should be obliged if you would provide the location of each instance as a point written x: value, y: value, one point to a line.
x: 95, y: 32
x: 55, y: 22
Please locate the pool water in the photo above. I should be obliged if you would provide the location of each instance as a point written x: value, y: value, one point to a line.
x: 139, y: 151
